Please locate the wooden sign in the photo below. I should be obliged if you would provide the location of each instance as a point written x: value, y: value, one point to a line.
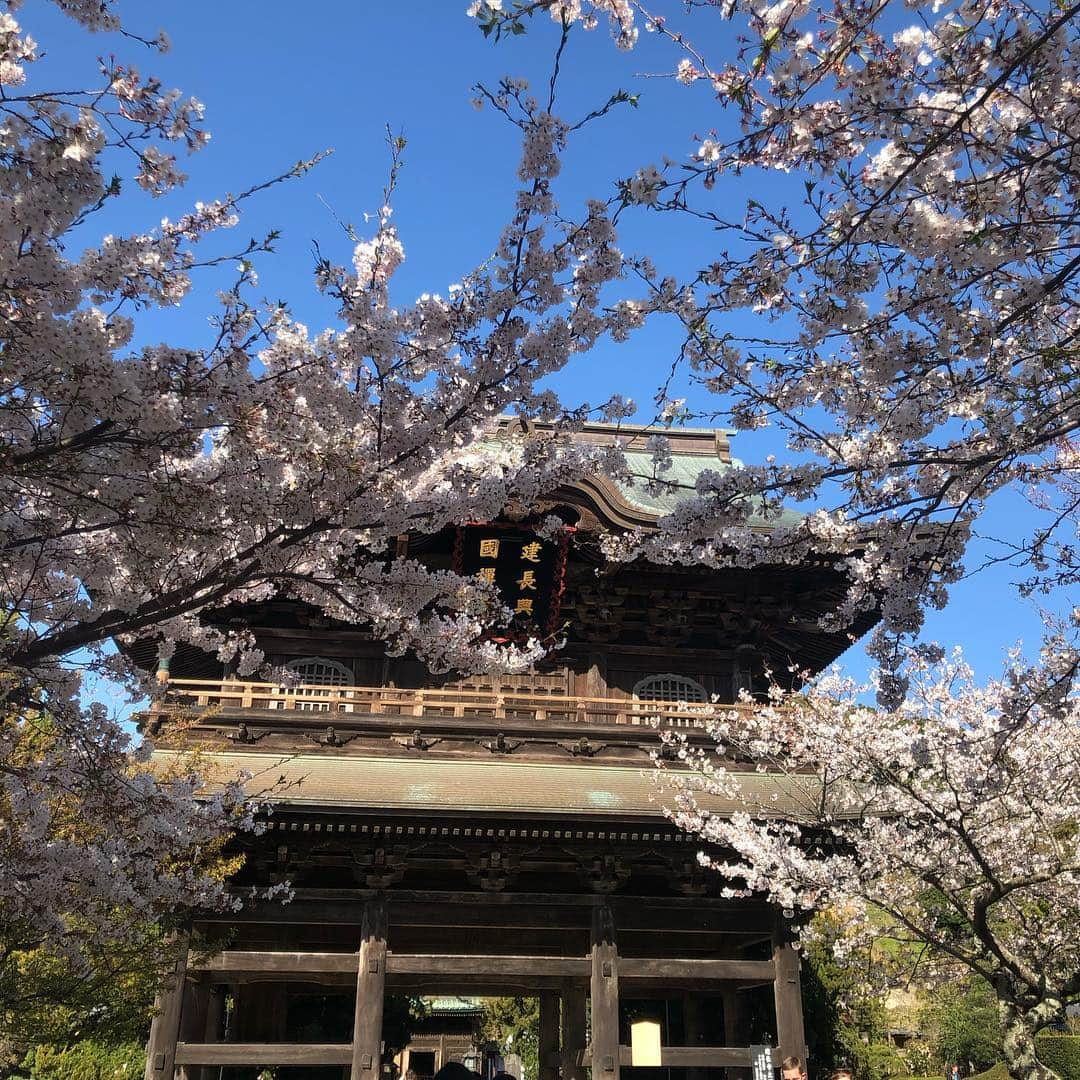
x: 761, y: 1066
x: 645, y: 1044
x: 529, y: 572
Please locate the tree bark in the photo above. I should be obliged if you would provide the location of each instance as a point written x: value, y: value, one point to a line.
x: 1019, y: 1027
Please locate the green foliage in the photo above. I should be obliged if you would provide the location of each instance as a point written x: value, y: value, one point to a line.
x: 879, y: 1061
x: 921, y: 1059
x: 998, y: 1072
x: 86, y: 1060
x: 961, y: 1024
x: 401, y: 1014
x: 98, y: 987
x: 110, y: 999
x: 841, y: 1014
x: 1060, y: 1053
x: 514, y: 1025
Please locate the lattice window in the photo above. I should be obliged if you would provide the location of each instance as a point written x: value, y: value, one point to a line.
x: 318, y: 671
x: 655, y: 690
x: 670, y: 687
x: 311, y: 671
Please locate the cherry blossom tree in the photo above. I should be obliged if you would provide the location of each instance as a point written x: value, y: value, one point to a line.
x: 144, y: 484
x: 918, y: 315
x: 951, y: 823
x: 102, y: 857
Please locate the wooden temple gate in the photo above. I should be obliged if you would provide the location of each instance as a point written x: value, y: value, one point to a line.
x: 186, y: 1032
x: 502, y: 835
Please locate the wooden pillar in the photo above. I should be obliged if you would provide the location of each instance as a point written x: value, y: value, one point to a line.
x: 260, y: 1012
x: 165, y: 1027
x: 370, y: 987
x: 548, y: 1050
x: 193, y: 1024
x: 735, y: 1033
x: 694, y: 1032
x: 790, y: 1034
x: 604, y: 996
x: 215, y: 1015
x: 573, y: 1031
x: 277, y: 1006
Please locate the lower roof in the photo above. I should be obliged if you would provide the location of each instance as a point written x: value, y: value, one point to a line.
x: 498, y: 786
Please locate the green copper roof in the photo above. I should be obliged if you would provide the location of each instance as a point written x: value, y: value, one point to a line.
x: 564, y: 790
x: 677, y: 483
x: 693, y: 452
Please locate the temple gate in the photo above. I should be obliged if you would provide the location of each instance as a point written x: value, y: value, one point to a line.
x: 498, y: 836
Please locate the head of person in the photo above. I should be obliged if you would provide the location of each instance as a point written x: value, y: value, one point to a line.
x: 843, y: 1073
x: 792, y: 1068
x: 454, y: 1070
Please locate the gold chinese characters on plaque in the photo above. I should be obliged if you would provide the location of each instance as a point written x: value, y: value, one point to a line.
x: 527, y: 570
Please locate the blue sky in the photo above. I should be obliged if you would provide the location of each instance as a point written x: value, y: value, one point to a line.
x: 284, y: 81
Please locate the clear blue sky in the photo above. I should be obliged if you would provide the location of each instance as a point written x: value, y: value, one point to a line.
x: 284, y: 81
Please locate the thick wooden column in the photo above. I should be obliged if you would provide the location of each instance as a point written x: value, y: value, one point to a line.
x: 790, y: 1033
x: 604, y: 996
x: 735, y: 1033
x: 215, y: 1015
x: 165, y: 1027
x: 193, y: 1024
x: 277, y: 1005
x: 370, y: 987
x: 259, y: 1012
x: 573, y: 1031
x: 694, y: 1032
x: 548, y: 1049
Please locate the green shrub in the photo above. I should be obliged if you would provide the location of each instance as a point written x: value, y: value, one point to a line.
x: 1060, y: 1053
x: 920, y: 1059
x: 997, y: 1072
x: 960, y: 1021
x: 883, y: 1060
x: 86, y: 1060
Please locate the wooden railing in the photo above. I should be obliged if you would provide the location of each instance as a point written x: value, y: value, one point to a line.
x: 472, y: 704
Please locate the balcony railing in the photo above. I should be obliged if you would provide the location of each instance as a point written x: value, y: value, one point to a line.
x: 454, y: 703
